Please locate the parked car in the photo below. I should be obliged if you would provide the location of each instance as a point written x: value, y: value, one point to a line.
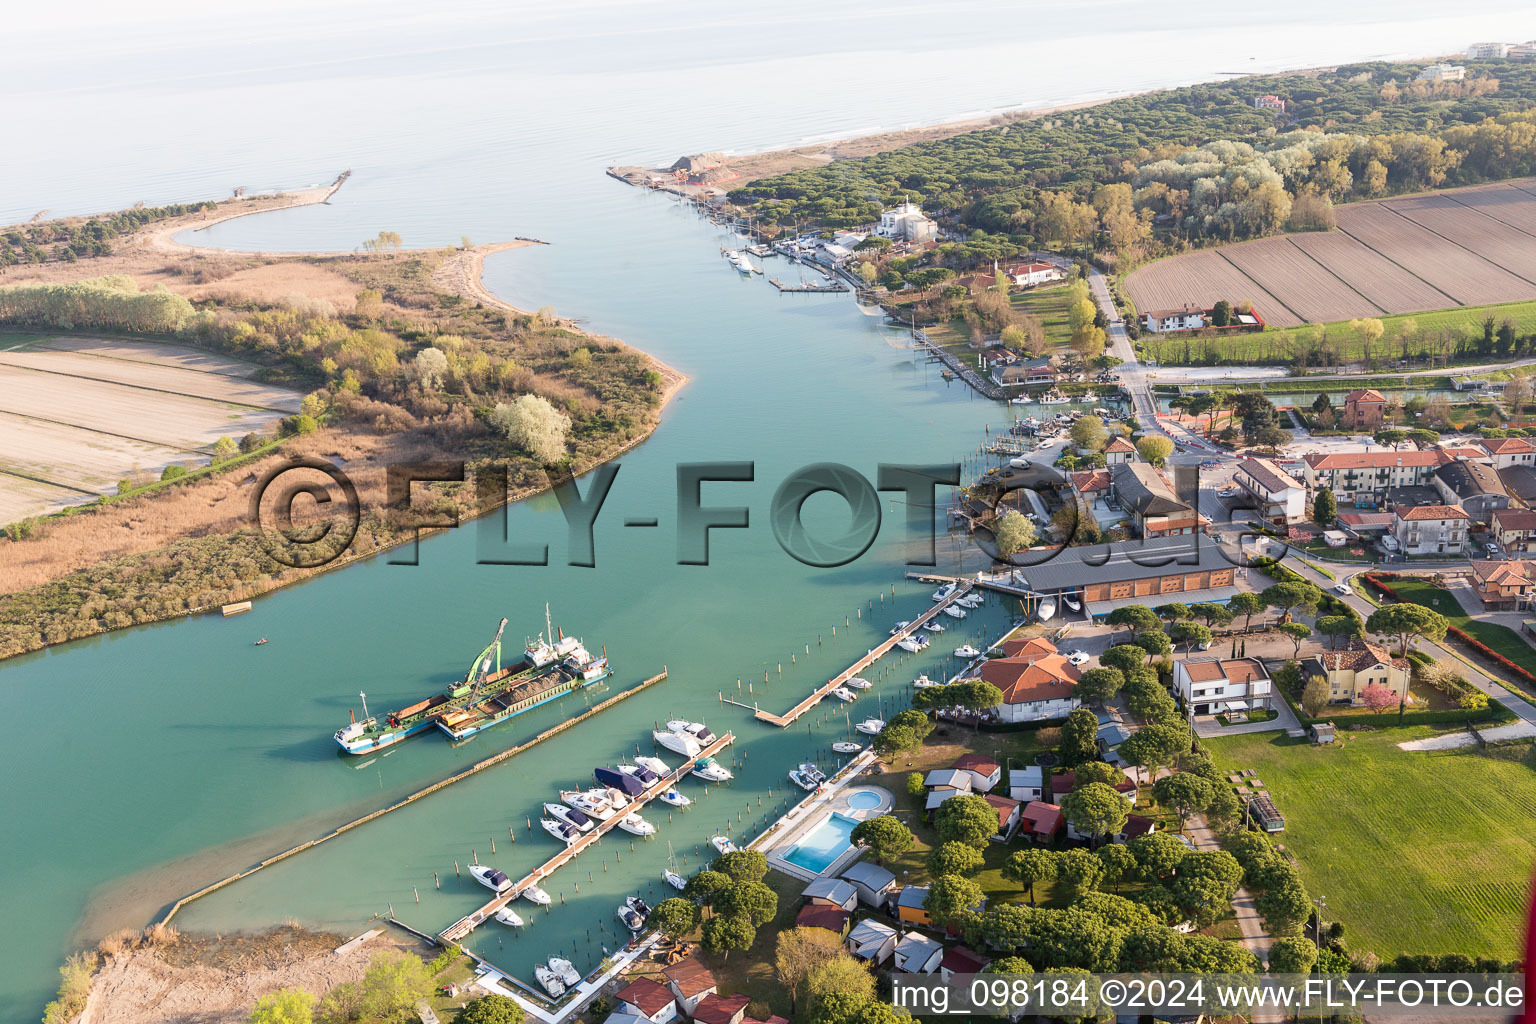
x: 1077, y: 657
x: 1492, y: 548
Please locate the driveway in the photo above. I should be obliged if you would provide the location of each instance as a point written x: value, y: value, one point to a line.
x: 1206, y: 726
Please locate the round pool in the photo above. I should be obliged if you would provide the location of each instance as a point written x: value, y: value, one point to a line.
x: 863, y: 800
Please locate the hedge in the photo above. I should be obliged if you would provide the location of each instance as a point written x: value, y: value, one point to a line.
x: 1378, y: 581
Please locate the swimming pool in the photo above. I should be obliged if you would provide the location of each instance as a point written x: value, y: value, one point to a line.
x: 863, y: 800
x: 822, y: 845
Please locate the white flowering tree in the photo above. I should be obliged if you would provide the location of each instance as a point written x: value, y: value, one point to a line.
x: 429, y: 368
x: 530, y: 422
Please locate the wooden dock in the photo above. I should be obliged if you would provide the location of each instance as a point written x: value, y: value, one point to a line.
x: 962, y: 587
x: 831, y: 286
x: 462, y: 927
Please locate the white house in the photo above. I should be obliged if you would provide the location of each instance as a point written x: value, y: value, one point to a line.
x: 908, y: 223
x: 1443, y: 73
x: 874, y: 883
x: 1029, y: 275
x: 1160, y: 320
x: 690, y: 982
x: 1278, y: 496
x: 918, y: 954
x: 870, y: 940
x: 1036, y: 688
x: 1212, y: 686
x: 1431, y: 529
x: 985, y: 772
x: 1027, y: 783
x: 1509, y: 451
x: 646, y: 999
x: 1487, y: 51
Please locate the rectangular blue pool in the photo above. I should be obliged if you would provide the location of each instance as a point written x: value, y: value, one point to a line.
x: 822, y: 845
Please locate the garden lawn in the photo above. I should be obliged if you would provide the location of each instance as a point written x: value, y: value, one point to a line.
x: 1501, y: 638
x: 1049, y: 306
x: 1425, y: 852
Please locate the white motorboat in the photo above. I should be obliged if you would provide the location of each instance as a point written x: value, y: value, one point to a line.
x: 1072, y: 603
x: 722, y: 844
x: 914, y: 643
x: 567, y: 834
x: 1054, y: 398
x: 672, y: 798
x: 566, y: 971
x: 636, y: 825
x: 943, y: 592
x: 639, y: 771
x: 1020, y: 401
x: 509, y: 917
x: 533, y: 894
x: 675, y: 880
x: 571, y: 816
x: 859, y: 683
x: 695, y: 729
x: 588, y: 801
x: 1046, y: 610
x: 807, y: 776
x: 549, y: 980
x: 633, y: 921
x: 967, y: 651
x: 842, y: 693
x: 899, y: 627
x: 954, y: 612
x: 871, y: 726
x: 638, y: 905
x: 934, y: 626
x: 616, y: 799
x: 489, y: 877
x: 847, y: 747
x: 972, y: 600
x: 711, y: 770
x: 922, y: 682
x: 677, y: 742
x: 655, y: 764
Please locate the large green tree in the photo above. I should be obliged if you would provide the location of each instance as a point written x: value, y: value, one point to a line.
x: 884, y: 836
x: 752, y: 900
x: 1325, y: 507
x: 967, y: 819
x: 1079, y: 737
x: 491, y: 1009
x: 1095, y: 810
x: 724, y: 933
x: 950, y: 898
x: 1029, y: 867
x: 1287, y: 596
x: 1405, y: 622
x: 285, y: 1006
x: 954, y: 859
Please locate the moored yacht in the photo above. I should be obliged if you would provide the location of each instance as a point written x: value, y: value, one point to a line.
x: 566, y: 970
x: 943, y: 592
x: 571, y: 816
x: 847, y: 747
x: 655, y: 764
x: 588, y: 801
x: 489, y: 877
x: 914, y: 643
x: 711, y: 770
x: 899, y: 627
x: 509, y: 917
x: 967, y: 651
x: 697, y: 730
x: 533, y: 894
x: 675, y: 880
x: 859, y: 683
x: 627, y: 784
x: 549, y: 980
x: 842, y: 693
x: 567, y: 834
x: 955, y: 612
x: 672, y: 798
x: 722, y: 844
x: 636, y: 825
x: 934, y: 626
x: 922, y: 682
x: 871, y: 726
x: 677, y: 742
x: 647, y: 777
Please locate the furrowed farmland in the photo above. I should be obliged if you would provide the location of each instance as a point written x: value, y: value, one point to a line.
x: 79, y: 415
x: 1465, y: 247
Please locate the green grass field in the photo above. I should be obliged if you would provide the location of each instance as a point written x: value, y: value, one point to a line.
x: 1416, y: 852
x: 1048, y: 305
x: 1276, y: 344
x: 1501, y: 638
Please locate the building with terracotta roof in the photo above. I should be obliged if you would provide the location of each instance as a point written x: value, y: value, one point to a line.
x: 1146, y: 495
x: 1504, y: 584
x: 962, y: 960
x: 1135, y: 825
x: 1063, y: 783
x: 1357, y: 666
x: 1033, y: 648
x: 1362, y: 478
x: 985, y: 771
x: 1515, y: 529
x: 1431, y: 530
x: 1365, y: 409
x: 821, y: 915
x: 1473, y: 487
x: 1035, y: 689
x: 717, y: 1009
x: 1041, y: 821
x: 1509, y: 451
x: 1211, y: 686
x: 1119, y: 450
x: 1277, y: 496
x: 690, y: 981
x: 1008, y: 816
x: 645, y: 997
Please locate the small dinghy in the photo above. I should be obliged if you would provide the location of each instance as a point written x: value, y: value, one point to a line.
x: 492, y: 879
x: 565, y: 970
x: 509, y: 917
x: 967, y: 651
x: 871, y: 726
x: 711, y: 770
x: 672, y: 798
x: 859, y: 683
x: 549, y: 980
x: 847, y: 747
x: 842, y: 693
x: 675, y: 880
x: 533, y: 894
x: 636, y: 825
x: 722, y: 844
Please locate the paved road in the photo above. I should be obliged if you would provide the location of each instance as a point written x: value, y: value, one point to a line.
x: 1249, y: 921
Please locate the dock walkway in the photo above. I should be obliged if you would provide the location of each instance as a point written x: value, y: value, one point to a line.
x: 462, y: 927
x: 962, y: 587
x: 982, y: 385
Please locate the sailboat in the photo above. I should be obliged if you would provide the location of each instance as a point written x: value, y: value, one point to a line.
x: 673, y: 879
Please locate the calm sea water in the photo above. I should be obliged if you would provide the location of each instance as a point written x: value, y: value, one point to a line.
x: 142, y: 764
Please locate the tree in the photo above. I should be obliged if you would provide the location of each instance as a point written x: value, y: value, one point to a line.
x: 1184, y: 792
x: 1014, y: 532
x: 950, y: 898
x: 884, y: 836
x: 799, y: 952
x: 752, y: 900
x: 1297, y: 631
x: 1246, y: 603
x: 1095, y: 810
x: 1284, y: 906
x: 1155, y: 745
x: 675, y: 917
x: 1098, y: 685
x: 1287, y: 596
x: 1008, y: 965
x: 393, y: 984
x: 530, y: 422
x: 1154, y: 448
x: 1157, y: 854
x: 724, y: 933
x: 1223, y: 811
x: 917, y: 721
x: 1214, y: 614
x: 174, y: 471
x: 844, y: 981
x: 1325, y: 507
x: 1379, y: 698
x: 1191, y: 634
x: 1080, y: 869
x: 1089, y: 433
x: 1156, y: 643
x: 1126, y: 658
x: 896, y: 740
x: 1221, y: 313
x: 1403, y: 622
x: 285, y: 1006
x: 430, y: 368
x: 1096, y: 771
x: 1153, y: 705
x: 702, y: 887
x: 966, y: 819
x: 742, y: 865
x: 1172, y: 612
x: 1336, y: 626
x: 1314, y: 697
x: 1119, y: 865
x: 1293, y: 954
x: 1138, y: 618
x: 1079, y: 737
x: 954, y: 859
x: 491, y: 1009
x: 975, y: 696
x: 223, y: 448
x: 1030, y: 866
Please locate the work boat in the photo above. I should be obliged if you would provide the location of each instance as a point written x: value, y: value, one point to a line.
x: 549, y: 980
x: 533, y: 894
x: 844, y: 694
x: 847, y: 747
x: 571, y: 816
x: 967, y: 651
x: 711, y: 770
x: 636, y: 825
x: 654, y: 764
x: 567, y: 834
x: 489, y: 877
x: 566, y: 970
x: 807, y: 776
x: 722, y: 844
x: 509, y: 917
x: 871, y: 726
x: 859, y: 683
x: 590, y: 801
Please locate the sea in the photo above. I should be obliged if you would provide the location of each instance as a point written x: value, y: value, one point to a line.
x: 144, y: 764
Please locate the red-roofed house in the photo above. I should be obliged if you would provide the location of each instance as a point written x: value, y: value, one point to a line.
x: 1042, y: 822
x: 1135, y: 825
x: 1064, y: 782
x: 1035, y: 689
x: 960, y: 960
x: 820, y: 915
x: 1035, y: 647
x: 1117, y: 451
x: 1364, y: 409
x: 1515, y: 529
x: 645, y: 997
x: 718, y: 1009
x: 985, y: 772
x: 1431, y: 529
x: 1506, y: 584
x: 1510, y: 451
x: 1007, y: 816
x: 690, y: 982
x: 1214, y: 685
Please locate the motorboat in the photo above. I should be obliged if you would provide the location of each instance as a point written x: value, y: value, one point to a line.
x: 871, y: 726
x: 616, y: 799
x: 922, y: 682
x: 807, y: 776
x: 509, y: 917
x: 636, y: 825
x: 633, y: 921
x: 655, y: 764
x: 710, y: 770
x: 567, y: 834
x: 967, y: 651
x: 571, y: 816
x: 588, y: 801
x: 934, y: 626
x: 675, y: 880
x: 972, y: 600
x: 638, y: 905
x: 913, y: 643
x: 627, y: 784
x: 859, y: 683
x: 258, y: 643
x: 1054, y: 398
x: 847, y: 747
x: 943, y: 592
x: 695, y: 729
x: 672, y: 798
x: 549, y: 980
x: 677, y: 742
x: 566, y: 970
x: 955, y: 612
x: 1020, y: 401
x: 1046, y: 610
x: 496, y: 881
x: 722, y: 844
x: 647, y: 777
x: 533, y: 894
x: 844, y: 694
x: 899, y: 627
x: 1072, y: 603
